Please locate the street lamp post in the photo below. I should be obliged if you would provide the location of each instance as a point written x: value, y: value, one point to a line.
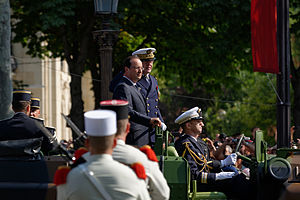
x: 106, y: 39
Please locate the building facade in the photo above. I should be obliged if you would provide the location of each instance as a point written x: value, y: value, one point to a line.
x: 47, y: 79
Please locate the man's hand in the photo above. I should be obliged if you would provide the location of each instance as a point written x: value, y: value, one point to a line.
x: 224, y: 175
x: 230, y: 160
x: 155, y: 122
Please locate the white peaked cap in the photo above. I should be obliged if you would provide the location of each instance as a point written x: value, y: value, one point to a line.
x: 194, y: 113
x: 144, y: 51
x: 100, y: 122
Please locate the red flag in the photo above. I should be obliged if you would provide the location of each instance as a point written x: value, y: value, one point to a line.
x: 264, y: 36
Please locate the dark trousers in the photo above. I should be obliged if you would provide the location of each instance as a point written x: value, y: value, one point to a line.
x: 238, y: 187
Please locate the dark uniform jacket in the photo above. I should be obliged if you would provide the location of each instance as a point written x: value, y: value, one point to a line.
x: 139, y: 129
x: 149, y: 91
x: 197, y: 155
x: 20, y: 126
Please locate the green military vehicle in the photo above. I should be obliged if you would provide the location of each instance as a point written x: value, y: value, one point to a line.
x: 271, y: 175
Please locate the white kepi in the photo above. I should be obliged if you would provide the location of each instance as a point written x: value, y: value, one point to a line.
x: 100, y: 123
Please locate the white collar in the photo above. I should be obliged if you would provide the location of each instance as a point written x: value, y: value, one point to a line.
x: 129, y: 80
x: 119, y: 141
x: 194, y: 138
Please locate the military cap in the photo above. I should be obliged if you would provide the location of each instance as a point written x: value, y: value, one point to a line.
x: 21, y: 95
x: 119, y: 106
x: 194, y: 113
x: 145, y: 53
x: 100, y: 122
x: 35, y: 102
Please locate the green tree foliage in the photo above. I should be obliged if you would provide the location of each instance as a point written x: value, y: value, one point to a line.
x: 256, y: 108
x: 204, y: 42
x: 60, y: 28
x: 203, y: 53
x: 295, y: 63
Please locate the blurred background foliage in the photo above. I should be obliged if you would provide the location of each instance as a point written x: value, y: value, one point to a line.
x: 203, y: 53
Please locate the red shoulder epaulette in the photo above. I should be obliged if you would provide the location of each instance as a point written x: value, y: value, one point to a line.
x: 60, y: 176
x: 79, y: 152
x: 139, y: 169
x: 149, y: 152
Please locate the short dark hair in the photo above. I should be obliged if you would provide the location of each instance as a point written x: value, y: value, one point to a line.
x: 101, y: 144
x: 127, y: 61
x: 20, y: 106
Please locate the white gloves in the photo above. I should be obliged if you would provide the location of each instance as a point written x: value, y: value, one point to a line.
x: 229, y: 160
x: 163, y: 126
x: 224, y: 175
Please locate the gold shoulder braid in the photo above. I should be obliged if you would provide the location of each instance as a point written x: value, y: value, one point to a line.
x: 200, y: 161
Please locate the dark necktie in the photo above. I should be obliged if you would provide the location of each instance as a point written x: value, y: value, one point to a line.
x: 136, y: 86
x: 148, y: 79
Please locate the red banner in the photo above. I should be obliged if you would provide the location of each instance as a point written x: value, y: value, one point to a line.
x: 263, y: 36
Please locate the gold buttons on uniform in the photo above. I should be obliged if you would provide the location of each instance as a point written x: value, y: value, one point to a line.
x: 155, y: 112
x: 147, y: 98
x: 148, y: 104
x: 156, y: 106
x: 148, y: 110
x: 156, y: 99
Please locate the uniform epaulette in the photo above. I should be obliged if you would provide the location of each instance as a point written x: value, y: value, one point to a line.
x: 78, y: 157
x: 149, y: 152
x: 60, y: 176
x: 139, y: 169
x: 79, y: 152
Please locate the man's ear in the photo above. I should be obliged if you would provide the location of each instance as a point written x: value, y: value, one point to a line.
x: 27, y: 109
x: 115, y: 142
x: 127, y: 127
x: 126, y: 69
x: 188, y: 124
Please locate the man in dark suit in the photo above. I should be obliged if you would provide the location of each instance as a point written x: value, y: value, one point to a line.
x: 22, y: 127
x: 128, y: 90
x: 208, y: 172
x: 149, y: 86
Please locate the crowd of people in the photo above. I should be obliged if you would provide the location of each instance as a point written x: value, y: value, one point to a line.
x: 119, y: 162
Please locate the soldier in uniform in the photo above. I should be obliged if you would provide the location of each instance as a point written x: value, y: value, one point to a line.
x: 127, y: 90
x: 35, y: 107
x: 158, y: 186
x: 21, y: 126
x: 101, y: 177
x: 149, y: 87
x: 206, y: 171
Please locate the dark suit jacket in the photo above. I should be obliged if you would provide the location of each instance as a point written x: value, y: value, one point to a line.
x: 139, y: 129
x: 199, y: 148
x: 20, y: 126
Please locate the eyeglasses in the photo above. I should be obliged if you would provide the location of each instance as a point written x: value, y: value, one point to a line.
x: 137, y: 68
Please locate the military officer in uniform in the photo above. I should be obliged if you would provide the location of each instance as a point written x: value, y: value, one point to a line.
x: 206, y: 171
x: 149, y: 87
x: 101, y: 177
x: 158, y: 186
x: 35, y: 107
x: 21, y: 126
